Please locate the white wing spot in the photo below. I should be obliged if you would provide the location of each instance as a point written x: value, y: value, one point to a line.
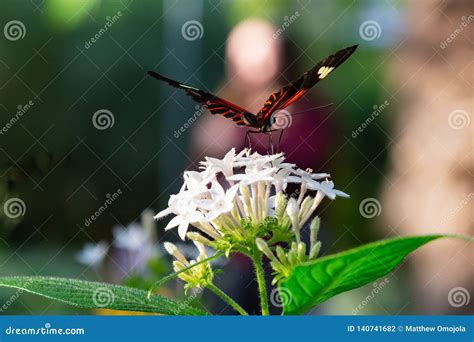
x: 324, y: 71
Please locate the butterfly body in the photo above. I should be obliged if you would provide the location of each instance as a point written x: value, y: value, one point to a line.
x: 262, y: 121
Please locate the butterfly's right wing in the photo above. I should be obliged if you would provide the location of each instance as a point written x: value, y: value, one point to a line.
x: 296, y: 89
x: 211, y: 102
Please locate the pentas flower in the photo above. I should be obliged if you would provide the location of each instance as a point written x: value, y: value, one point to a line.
x: 221, y: 202
x: 225, y: 165
x: 240, y: 204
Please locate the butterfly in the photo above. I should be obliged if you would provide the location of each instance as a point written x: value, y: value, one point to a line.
x: 262, y: 121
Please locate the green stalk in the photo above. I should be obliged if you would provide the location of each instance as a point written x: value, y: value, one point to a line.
x: 227, y: 299
x: 262, y: 286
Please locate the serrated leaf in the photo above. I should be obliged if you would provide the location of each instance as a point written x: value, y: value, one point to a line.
x: 316, y: 281
x: 89, y: 294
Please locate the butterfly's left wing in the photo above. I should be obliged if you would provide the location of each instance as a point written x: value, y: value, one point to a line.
x: 296, y: 89
x: 211, y: 102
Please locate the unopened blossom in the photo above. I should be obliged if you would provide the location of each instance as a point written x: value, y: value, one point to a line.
x: 199, y: 276
x: 292, y: 210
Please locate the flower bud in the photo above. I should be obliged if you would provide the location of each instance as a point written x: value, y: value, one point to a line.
x: 315, y: 250
x: 281, y: 255
x: 244, y: 191
x: 293, y: 257
x: 314, y: 229
x: 301, y: 251
x: 292, y: 210
x: 174, y: 251
x: 305, y: 207
x: 280, y: 204
x: 201, y: 248
x: 198, y: 237
x: 263, y: 247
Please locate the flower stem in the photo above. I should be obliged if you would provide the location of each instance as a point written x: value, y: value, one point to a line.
x: 262, y: 286
x: 227, y: 299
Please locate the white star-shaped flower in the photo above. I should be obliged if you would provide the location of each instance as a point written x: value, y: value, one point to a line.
x: 221, y: 201
x: 224, y: 165
x: 257, y: 161
x: 327, y: 188
x: 197, y: 182
x: 308, y: 179
x: 252, y: 176
x: 186, y: 215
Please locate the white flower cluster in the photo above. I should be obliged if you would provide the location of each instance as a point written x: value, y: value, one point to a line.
x: 244, y: 187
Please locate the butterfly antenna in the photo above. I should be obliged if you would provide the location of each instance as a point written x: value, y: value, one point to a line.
x: 318, y: 107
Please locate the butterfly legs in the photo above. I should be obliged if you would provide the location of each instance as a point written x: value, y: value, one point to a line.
x: 247, y: 138
x: 270, y: 149
x: 279, y: 140
x: 270, y: 141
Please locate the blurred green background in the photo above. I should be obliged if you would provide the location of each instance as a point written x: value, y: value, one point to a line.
x: 63, y: 167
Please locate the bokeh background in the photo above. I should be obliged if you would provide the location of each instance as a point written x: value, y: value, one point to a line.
x: 85, y: 131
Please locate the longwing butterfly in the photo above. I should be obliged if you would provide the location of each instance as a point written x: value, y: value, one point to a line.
x: 263, y: 120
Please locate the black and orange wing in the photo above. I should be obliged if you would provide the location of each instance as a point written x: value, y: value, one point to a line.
x: 211, y: 102
x: 296, y: 89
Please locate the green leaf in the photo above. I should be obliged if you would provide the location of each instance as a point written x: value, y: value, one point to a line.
x: 89, y: 294
x: 316, y: 281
